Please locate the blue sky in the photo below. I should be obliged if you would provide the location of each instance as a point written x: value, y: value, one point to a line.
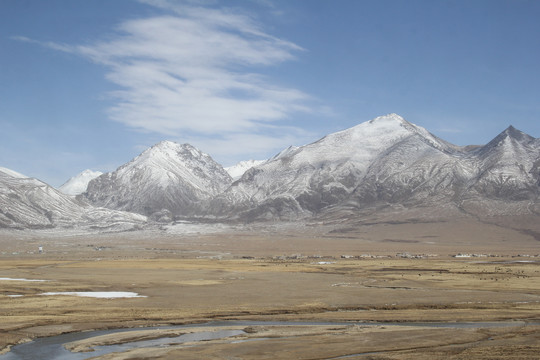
x: 91, y: 84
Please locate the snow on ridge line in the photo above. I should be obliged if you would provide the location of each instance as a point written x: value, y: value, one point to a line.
x: 12, y: 173
x: 236, y: 171
x: 97, y: 294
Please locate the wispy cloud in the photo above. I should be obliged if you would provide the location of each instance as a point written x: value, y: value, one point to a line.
x: 196, y: 70
x: 49, y: 44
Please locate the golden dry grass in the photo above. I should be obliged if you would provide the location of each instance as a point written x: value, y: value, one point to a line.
x: 200, y: 278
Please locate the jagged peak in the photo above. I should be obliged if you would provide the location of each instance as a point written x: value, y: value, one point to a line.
x: 168, y: 144
x: 509, y: 137
x: 389, y: 117
x: 171, y: 148
x: 509, y: 133
x: 164, y: 143
x: 514, y: 133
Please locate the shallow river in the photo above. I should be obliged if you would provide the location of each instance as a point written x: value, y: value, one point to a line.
x: 51, y: 348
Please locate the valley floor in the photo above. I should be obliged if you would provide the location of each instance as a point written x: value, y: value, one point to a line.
x: 376, y: 274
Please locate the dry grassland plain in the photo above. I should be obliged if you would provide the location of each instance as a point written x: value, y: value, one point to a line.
x: 382, y: 274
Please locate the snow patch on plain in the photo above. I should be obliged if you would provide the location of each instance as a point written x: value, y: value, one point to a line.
x: 97, y: 294
x: 187, y: 228
x: 29, y: 280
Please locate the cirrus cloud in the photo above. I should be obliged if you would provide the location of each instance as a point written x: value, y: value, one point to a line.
x: 194, y: 70
x: 194, y: 74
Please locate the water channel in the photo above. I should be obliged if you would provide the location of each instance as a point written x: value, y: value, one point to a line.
x: 51, y: 348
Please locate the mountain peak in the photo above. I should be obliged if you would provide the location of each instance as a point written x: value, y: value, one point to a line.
x: 382, y: 124
x: 388, y: 129
x: 168, y: 177
x: 166, y: 145
x: 166, y: 151
x: 79, y: 183
x: 389, y: 118
x: 173, y: 144
x: 511, y: 133
x: 514, y: 133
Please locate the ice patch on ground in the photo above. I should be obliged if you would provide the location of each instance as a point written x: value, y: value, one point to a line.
x: 97, y: 294
x: 11, y: 279
x: 190, y: 228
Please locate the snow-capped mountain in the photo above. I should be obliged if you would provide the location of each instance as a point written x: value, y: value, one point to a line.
x: 236, y: 171
x: 382, y: 162
x: 166, y: 180
x: 508, y: 166
x: 29, y: 203
x: 79, y: 183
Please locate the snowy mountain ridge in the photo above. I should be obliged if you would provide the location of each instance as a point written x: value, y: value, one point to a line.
x: 79, y: 183
x: 166, y: 180
x: 29, y: 203
x: 236, y: 171
x: 12, y: 173
x: 384, y: 163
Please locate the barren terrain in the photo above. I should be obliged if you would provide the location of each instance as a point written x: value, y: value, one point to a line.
x: 361, y: 282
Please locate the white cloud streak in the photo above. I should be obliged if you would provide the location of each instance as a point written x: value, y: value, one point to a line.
x: 194, y: 70
x: 191, y: 74
x: 49, y: 44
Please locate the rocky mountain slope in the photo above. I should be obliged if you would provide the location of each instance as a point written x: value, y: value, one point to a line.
x: 508, y: 167
x: 386, y: 165
x: 505, y: 176
x: 165, y: 181
x: 29, y: 203
x: 385, y: 162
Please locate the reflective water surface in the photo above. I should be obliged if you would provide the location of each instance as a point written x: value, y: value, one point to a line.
x: 49, y: 348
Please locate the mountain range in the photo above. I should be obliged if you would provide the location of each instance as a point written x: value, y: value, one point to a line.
x: 385, y: 164
x: 388, y: 162
x: 29, y: 203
